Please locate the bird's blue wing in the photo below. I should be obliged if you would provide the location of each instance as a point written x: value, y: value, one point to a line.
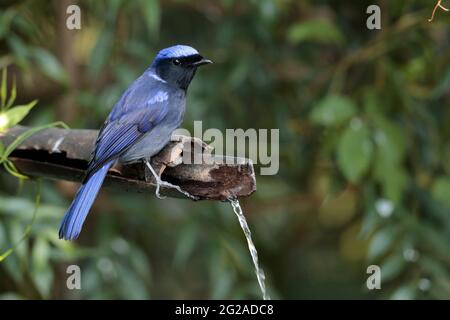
x: 124, y: 129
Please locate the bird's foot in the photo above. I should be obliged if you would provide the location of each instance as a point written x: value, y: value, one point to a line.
x: 158, y: 186
x: 161, y: 183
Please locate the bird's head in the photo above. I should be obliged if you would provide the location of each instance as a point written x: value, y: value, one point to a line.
x: 177, y: 65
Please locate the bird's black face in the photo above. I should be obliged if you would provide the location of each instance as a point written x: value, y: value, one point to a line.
x: 180, y: 70
x: 190, y: 62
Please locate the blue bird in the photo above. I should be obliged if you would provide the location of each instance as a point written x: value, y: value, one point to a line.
x: 138, y: 127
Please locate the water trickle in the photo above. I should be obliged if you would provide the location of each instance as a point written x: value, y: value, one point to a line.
x: 251, y: 246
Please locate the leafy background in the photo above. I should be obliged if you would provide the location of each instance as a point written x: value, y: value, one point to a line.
x: 364, y: 149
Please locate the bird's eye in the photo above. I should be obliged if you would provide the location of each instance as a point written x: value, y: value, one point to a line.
x: 176, y: 62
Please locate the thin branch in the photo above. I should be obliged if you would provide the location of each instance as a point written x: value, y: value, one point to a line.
x: 438, y: 5
x: 61, y: 154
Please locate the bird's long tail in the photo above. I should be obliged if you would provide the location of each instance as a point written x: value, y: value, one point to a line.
x: 76, y: 214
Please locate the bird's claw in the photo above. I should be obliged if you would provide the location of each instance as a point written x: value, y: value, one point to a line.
x: 157, y: 194
x: 160, y: 197
x: 166, y: 184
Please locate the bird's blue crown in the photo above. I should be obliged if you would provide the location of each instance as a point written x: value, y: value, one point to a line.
x: 178, y: 51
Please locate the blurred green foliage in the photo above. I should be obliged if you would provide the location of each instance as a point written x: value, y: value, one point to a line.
x: 364, y: 141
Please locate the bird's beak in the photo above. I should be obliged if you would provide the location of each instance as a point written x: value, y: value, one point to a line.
x: 201, y: 62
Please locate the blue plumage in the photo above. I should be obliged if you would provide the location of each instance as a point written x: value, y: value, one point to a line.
x: 178, y: 51
x: 139, y: 125
x: 76, y: 214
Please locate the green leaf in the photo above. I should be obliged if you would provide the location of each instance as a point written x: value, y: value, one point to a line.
x: 390, y: 152
x: 442, y: 84
x: 3, y: 89
x: 392, y: 267
x: 43, y: 279
x: 316, y: 31
x: 42, y: 270
x: 40, y: 253
x: 188, y: 238
x: 5, y: 21
x: 13, y: 116
x: 333, y: 110
x: 436, y: 268
x: 11, y: 296
x: 390, y: 141
x: 12, y: 170
x: 354, y: 151
x: 441, y: 190
x: 432, y: 240
x: 16, y: 246
x: 394, y: 181
x: 381, y: 242
x: 130, y: 284
x: 101, y: 52
x: 139, y: 263
x: 151, y: 12
x: 12, y: 264
x: 20, y: 50
x: 13, y: 95
x: 406, y: 292
x: 49, y: 65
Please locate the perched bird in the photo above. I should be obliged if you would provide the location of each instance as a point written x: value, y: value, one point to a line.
x: 138, y: 127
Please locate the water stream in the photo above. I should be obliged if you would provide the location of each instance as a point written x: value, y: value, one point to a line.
x: 251, y: 246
